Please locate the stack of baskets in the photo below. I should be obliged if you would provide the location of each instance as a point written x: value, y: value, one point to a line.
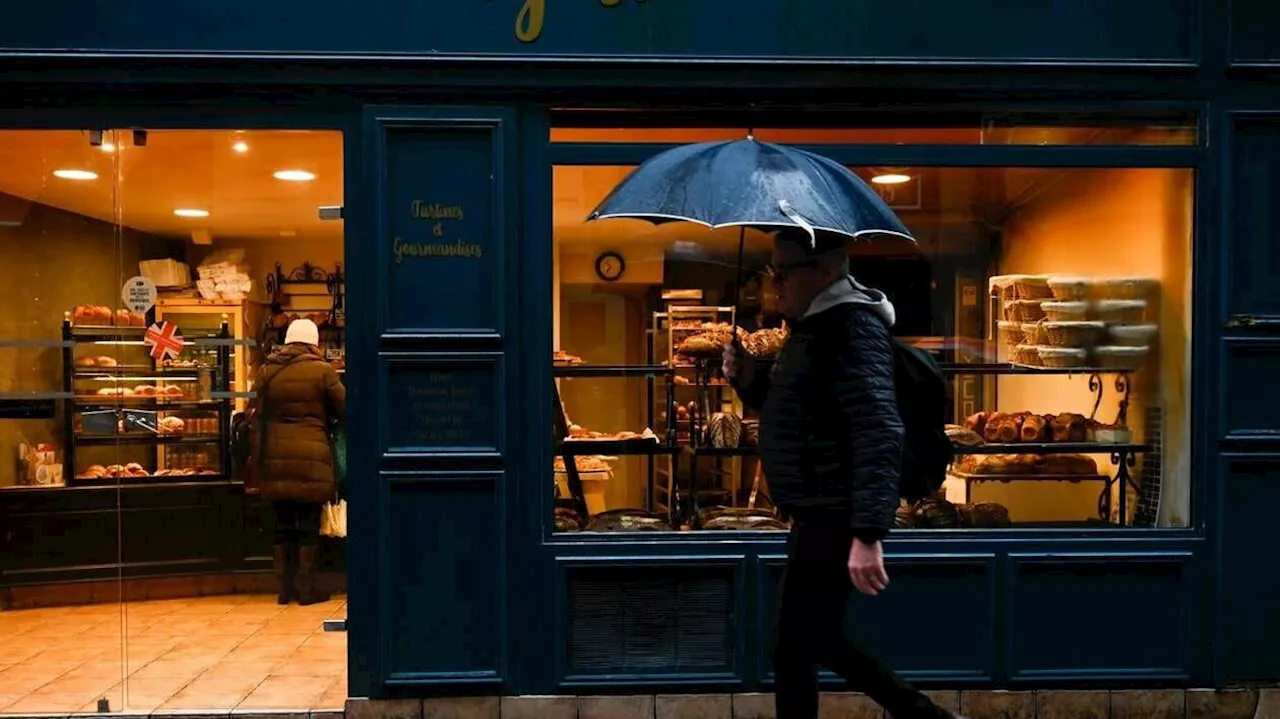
x: 1065, y: 322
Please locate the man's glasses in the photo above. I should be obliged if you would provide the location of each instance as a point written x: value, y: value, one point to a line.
x: 779, y: 272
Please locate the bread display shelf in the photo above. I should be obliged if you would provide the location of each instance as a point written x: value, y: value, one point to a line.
x: 145, y: 438
x: 1030, y: 477
x: 1053, y: 448
x: 151, y: 479
x: 84, y: 402
x: 1017, y: 369
x: 604, y: 371
x: 106, y: 333
x: 621, y: 447
x: 126, y: 371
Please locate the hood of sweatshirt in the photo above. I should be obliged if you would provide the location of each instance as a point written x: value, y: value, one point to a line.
x: 847, y: 290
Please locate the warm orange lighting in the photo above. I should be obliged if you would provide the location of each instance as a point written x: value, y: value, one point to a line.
x: 295, y: 175
x: 891, y: 178
x: 75, y: 174
x: 241, y: 147
x: 190, y: 212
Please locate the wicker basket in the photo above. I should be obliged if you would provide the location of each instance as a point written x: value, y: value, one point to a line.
x: 1028, y: 355
x: 1125, y: 358
x: 1031, y: 287
x: 1126, y: 288
x: 1062, y: 357
x: 1065, y: 311
x: 1070, y: 288
x: 1121, y: 312
x: 1001, y: 286
x: 1024, y: 311
x: 1011, y: 333
x: 1132, y: 335
x: 1033, y: 333
x: 1072, y: 334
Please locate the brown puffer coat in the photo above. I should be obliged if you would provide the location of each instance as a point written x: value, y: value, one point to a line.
x: 299, y: 393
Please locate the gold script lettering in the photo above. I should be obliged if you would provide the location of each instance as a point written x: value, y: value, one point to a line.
x: 435, y: 211
x: 402, y: 249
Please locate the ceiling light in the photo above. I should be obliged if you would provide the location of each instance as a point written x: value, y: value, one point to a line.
x: 241, y: 146
x: 295, y: 175
x: 107, y: 147
x: 190, y: 212
x: 75, y: 174
x: 891, y: 178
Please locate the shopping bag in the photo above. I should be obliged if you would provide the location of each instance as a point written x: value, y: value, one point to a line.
x: 338, y: 445
x: 333, y: 519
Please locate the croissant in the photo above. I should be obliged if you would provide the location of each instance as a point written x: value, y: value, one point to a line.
x: 1034, y: 429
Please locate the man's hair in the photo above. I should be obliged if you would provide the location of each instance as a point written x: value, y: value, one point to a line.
x: 827, y: 248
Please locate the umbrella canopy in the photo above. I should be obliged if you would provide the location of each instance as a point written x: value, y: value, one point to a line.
x: 749, y: 183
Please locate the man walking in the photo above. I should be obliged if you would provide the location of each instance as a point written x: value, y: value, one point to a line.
x: 831, y: 443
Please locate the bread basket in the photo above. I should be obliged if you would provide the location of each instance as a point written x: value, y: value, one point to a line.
x: 1024, y: 311
x: 1033, y: 333
x: 1124, y: 358
x: 1011, y: 333
x: 1132, y: 335
x: 1069, y: 288
x: 1065, y: 310
x: 1031, y: 287
x: 1028, y: 355
x: 1001, y: 286
x: 1126, y: 288
x: 1072, y: 334
x: 1062, y: 357
x: 1120, y: 312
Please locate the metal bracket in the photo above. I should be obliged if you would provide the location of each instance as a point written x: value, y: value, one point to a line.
x: 335, y: 625
x: 332, y: 212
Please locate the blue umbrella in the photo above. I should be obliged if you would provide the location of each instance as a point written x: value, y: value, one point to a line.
x: 746, y: 183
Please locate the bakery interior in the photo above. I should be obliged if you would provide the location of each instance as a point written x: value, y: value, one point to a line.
x: 135, y: 566
x: 1056, y: 300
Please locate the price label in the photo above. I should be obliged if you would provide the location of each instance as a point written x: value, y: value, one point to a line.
x: 139, y: 295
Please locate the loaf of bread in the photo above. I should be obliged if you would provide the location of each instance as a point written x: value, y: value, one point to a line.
x: 1068, y: 427
x: 1069, y: 464
x: 976, y: 422
x: 1034, y: 428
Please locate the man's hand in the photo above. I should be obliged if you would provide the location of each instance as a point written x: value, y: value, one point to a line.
x: 735, y: 366
x: 866, y: 567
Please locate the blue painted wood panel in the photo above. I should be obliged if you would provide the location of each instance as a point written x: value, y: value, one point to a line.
x: 1099, y: 616
x: 957, y: 592
x: 442, y: 403
x: 1249, y: 364
x: 1249, y: 615
x: 1255, y: 25
x: 1253, y: 256
x: 976, y: 30
x: 443, y: 576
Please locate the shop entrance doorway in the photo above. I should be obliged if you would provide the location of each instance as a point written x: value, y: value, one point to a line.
x: 146, y: 280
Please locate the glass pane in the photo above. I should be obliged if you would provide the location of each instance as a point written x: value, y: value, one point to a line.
x: 64, y: 626
x: 1172, y: 129
x: 1050, y: 419
x: 212, y: 633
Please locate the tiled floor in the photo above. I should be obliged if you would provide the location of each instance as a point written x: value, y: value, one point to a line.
x: 207, y: 653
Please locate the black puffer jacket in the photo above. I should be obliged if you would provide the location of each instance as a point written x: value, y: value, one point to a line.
x: 831, y: 438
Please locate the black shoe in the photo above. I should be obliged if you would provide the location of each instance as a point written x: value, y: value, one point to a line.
x: 308, y: 592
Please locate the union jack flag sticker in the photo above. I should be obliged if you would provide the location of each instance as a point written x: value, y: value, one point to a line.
x: 164, y: 341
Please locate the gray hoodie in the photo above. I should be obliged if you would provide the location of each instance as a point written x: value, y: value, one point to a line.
x: 847, y: 290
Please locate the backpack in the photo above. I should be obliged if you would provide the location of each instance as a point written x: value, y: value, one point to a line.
x: 921, y: 391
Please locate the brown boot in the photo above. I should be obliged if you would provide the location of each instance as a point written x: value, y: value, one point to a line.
x: 282, y: 562
x: 308, y: 592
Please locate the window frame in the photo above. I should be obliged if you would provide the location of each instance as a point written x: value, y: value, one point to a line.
x: 1195, y: 157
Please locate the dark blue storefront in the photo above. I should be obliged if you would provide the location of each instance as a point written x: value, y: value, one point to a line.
x: 457, y: 584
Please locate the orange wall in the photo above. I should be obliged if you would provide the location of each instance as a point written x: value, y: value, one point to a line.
x: 1108, y: 223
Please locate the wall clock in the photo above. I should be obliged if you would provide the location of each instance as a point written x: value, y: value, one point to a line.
x: 610, y: 266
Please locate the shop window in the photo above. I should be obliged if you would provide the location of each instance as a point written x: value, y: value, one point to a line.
x: 1161, y: 129
x: 1056, y: 299
x: 130, y: 529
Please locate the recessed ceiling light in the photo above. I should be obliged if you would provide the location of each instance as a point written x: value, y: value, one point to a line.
x: 891, y: 178
x: 241, y: 146
x: 190, y: 212
x: 295, y: 175
x: 75, y: 174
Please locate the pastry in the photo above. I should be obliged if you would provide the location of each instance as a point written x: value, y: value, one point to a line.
x: 704, y: 344
x: 115, y: 470
x: 976, y: 422
x: 170, y: 391
x: 134, y: 467
x: 86, y: 362
x: 145, y: 390
x: 105, y: 361
x: 1068, y: 427
x: 1034, y: 429
x: 1069, y: 464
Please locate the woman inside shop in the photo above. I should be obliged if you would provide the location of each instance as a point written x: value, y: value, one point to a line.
x: 300, y: 403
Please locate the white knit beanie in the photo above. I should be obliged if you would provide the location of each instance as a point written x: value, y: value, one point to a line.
x: 304, y: 331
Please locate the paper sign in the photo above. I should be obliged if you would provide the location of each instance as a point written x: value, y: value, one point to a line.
x: 164, y: 341
x: 139, y: 295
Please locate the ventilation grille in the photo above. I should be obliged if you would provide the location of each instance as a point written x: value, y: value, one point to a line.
x: 650, y: 621
x: 1147, y: 511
